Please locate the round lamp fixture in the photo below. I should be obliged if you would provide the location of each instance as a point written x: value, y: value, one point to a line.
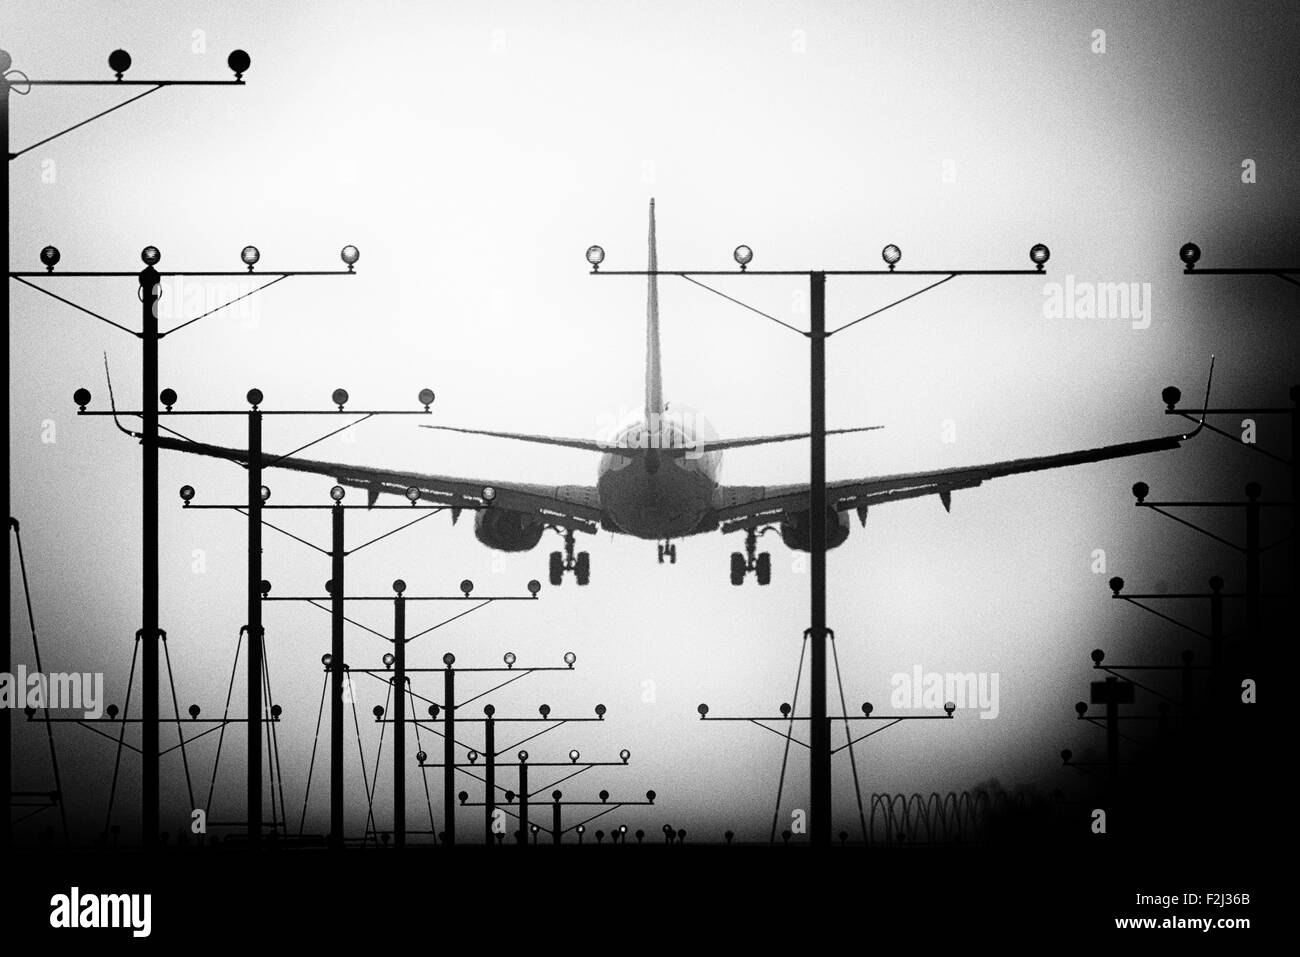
x: 119, y: 61
x: 239, y: 62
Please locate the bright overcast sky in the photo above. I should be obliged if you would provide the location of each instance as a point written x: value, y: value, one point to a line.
x: 472, y: 153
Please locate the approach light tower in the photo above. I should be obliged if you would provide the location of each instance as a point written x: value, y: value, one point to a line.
x: 817, y: 334
x: 119, y: 61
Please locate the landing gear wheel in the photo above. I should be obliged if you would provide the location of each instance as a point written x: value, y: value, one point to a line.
x: 667, y: 550
x: 737, y: 568
x: 582, y: 568
x: 763, y: 568
x: 557, y: 568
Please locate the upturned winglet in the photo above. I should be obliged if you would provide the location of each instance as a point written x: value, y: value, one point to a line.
x: 112, y: 404
x: 1205, y: 406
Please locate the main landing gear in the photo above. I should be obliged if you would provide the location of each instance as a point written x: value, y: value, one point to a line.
x: 580, y: 564
x: 667, y: 552
x: 760, y: 563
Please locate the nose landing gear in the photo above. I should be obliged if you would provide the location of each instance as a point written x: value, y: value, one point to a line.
x: 760, y: 563
x: 668, y: 552
x: 579, y: 564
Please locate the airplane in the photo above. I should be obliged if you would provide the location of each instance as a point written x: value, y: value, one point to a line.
x: 657, y: 479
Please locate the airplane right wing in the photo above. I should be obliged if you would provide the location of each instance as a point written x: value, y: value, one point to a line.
x: 744, y: 507
x: 570, y: 506
x: 748, y: 507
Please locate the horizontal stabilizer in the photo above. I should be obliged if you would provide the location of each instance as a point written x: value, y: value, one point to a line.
x: 592, y: 445
x: 722, y: 445
x: 588, y: 445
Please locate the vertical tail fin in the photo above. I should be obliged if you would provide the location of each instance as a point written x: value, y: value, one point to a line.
x: 654, y: 398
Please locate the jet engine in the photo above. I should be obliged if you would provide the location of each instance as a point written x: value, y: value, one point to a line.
x: 797, y: 532
x: 507, y: 531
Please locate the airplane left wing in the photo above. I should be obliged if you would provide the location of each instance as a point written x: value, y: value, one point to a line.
x: 571, y: 506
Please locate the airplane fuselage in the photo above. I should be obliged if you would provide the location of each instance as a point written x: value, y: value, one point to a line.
x: 666, y: 490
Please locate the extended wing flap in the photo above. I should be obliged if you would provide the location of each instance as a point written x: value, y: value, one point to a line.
x: 574, y: 506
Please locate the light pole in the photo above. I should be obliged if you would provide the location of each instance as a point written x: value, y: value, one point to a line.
x: 119, y: 62
x: 450, y: 719
x: 491, y: 755
x: 823, y: 740
x: 255, y: 462
x: 259, y: 591
x: 335, y: 663
x: 817, y: 334
x: 1252, y: 550
x: 110, y: 718
x: 1112, y: 692
x: 1190, y: 254
x: 1217, y: 686
x: 149, y: 286
x: 399, y: 715
x: 1172, y: 395
x: 557, y: 830
x: 149, y: 281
